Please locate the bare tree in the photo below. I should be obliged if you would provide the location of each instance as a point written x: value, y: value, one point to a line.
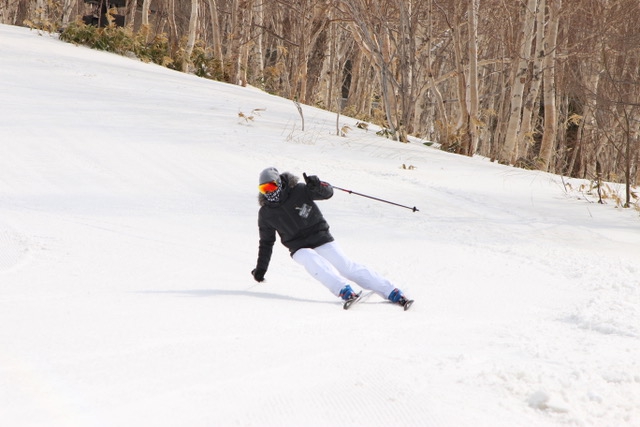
x: 369, y: 23
x: 191, y: 41
x: 146, y: 4
x: 619, y: 92
x: 474, y: 118
x: 527, y: 130
x: 550, y: 114
x: 67, y: 11
x: 508, y: 153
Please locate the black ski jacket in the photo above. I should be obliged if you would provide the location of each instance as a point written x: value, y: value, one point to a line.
x: 295, y: 217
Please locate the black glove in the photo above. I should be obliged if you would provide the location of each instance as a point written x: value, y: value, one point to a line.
x: 258, y: 274
x: 312, y: 181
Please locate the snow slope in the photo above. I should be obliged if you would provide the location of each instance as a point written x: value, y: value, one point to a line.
x: 128, y: 231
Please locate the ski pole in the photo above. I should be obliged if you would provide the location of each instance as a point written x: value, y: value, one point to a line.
x: 414, y: 209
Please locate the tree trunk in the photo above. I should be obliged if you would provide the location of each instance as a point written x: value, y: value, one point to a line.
x: 237, y: 53
x: 463, y: 140
x: 588, y: 139
x: 442, y: 118
x: 473, y: 76
x: 67, y: 10
x: 174, y: 40
x: 145, y: 16
x: 191, y: 40
x: 509, y: 152
x: 549, y: 77
x: 132, y: 7
x: 215, y: 32
x: 259, y: 21
x: 527, y: 130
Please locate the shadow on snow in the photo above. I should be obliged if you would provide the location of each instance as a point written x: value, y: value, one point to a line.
x: 236, y: 293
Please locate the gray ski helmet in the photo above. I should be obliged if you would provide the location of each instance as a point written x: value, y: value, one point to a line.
x: 270, y: 175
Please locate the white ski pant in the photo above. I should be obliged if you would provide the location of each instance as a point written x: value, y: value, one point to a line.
x: 330, y: 266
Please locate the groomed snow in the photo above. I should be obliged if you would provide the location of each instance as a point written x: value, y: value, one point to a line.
x: 128, y: 230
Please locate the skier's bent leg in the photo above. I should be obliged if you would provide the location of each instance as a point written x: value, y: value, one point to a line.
x: 320, y: 269
x: 358, y: 273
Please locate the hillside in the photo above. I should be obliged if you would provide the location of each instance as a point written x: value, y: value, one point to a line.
x: 128, y: 229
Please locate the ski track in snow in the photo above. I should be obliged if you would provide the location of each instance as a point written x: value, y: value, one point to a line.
x: 126, y: 245
x: 14, y: 249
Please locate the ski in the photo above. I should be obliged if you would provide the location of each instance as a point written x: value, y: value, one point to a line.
x: 407, y: 304
x: 360, y: 297
x: 349, y: 302
x: 404, y: 303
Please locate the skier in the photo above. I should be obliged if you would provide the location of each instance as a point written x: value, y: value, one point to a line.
x: 288, y: 208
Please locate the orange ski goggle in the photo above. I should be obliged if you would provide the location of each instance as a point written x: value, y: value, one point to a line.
x: 268, y: 187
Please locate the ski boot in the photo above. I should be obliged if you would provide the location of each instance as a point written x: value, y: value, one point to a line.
x: 397, y: 297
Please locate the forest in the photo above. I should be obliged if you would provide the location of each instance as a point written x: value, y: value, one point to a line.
x: 551, y: 85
